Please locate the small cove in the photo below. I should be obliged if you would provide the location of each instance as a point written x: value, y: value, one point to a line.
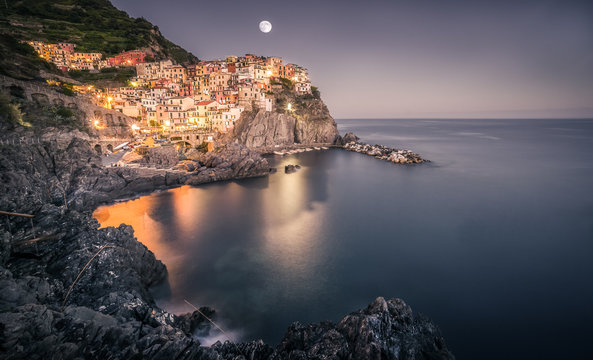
x: 492, y: 239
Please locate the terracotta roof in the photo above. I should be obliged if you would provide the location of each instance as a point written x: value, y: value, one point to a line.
x: 205, y: 102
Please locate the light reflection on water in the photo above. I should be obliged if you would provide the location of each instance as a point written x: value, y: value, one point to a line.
x: 285, y: 224
x: 492, y: 239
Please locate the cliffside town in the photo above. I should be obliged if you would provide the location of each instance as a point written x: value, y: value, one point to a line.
x: 70, y: 290
x: 168, y: 99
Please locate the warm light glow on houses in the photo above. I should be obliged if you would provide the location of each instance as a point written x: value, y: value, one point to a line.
x: 205, y: 98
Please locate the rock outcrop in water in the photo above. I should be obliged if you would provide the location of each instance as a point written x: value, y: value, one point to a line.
x: 381, y: 152
x: 71, y: 290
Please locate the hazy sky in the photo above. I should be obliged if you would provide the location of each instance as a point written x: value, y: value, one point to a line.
x: 406, y: 58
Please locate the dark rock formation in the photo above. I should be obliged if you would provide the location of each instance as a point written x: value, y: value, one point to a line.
x: 82, y: 292
x: 381, y: 152
x: 384, y: 330
x: 288, y: 169
x: 164, y: 156
x: 348, y: 138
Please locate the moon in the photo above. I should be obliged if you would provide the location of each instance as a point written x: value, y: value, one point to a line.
x: 265, y: 26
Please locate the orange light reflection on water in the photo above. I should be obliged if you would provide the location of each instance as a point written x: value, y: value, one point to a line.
x: 287, y: 221
x: 139, y: 214
x: 293, y: 227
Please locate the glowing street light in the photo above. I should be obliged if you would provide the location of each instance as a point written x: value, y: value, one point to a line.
x: 289, y: 107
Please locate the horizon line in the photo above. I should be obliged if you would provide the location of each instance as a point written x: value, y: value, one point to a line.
x: 465, y: 118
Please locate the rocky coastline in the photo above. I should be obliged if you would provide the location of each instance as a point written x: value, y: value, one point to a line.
x: 50, y: 309
x: 396, y: 156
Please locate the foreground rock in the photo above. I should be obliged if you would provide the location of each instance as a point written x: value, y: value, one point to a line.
x: 396, y: 156
x: 82, y: 292
x: 384, y: 330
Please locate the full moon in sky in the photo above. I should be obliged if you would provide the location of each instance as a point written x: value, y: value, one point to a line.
x: 265, y: 26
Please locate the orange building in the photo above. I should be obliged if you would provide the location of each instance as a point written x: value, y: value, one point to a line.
x: 127, y: 58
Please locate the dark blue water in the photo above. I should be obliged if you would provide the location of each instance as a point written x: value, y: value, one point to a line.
x: 493, y: 239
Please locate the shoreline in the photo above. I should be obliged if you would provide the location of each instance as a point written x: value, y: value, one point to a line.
x: 113, y: 293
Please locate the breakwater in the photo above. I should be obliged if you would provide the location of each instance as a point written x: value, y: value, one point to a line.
x: 397, y: 156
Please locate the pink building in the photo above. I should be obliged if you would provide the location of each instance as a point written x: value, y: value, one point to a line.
x: 127, y: 58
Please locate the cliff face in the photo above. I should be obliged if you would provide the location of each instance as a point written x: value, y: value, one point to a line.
x: 307, y: 122
x: 263, y: 129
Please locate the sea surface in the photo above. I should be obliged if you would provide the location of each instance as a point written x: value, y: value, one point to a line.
x: 493, y: 239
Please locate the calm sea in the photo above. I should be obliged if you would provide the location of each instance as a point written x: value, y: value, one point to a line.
x: 493, y: 239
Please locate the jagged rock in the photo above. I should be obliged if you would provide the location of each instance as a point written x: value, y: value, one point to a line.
x: 384, y: 330
x: 310, y: 123
x: 264, y: 129
x: 165, y: 156
x: 288, y: 169
x: 348, y: 138
x: 385, y: 153
x: 109, y: 311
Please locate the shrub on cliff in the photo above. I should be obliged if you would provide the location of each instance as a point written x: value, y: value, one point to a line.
x: 10, y: 113
x: 316, y: 93
x: 63, y: 112
x: 287, y: 84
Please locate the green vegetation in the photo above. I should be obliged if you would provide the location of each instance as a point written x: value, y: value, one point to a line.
x: 16, y: 111
x: 316, y: 92
x: 286, y: 84
x: 107, y: 76
x: 20, y: 61
x: 63, y: 112
x: 67, y: 89
x: 93, y: 25
x: 11, y: 113
x: 56, y: 115
x: 203, y: 147
x: 281, y: 105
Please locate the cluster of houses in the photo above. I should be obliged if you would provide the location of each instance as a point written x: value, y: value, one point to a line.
x: 64, y: 56
x: 167, y: 97
x: 207, y: 96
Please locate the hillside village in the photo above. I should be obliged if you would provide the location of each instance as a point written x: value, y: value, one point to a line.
x: 167, y: 98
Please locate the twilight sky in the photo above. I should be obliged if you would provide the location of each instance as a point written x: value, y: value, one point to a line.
x: 406, y: 58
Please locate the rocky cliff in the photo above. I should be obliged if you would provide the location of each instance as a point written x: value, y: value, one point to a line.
x: 70, y: 290
x: 306, y: 121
